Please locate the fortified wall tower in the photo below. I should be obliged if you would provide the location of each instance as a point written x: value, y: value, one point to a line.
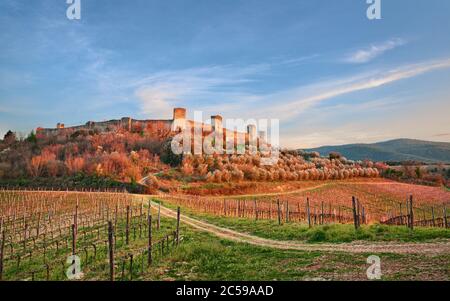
x: 179, y: 119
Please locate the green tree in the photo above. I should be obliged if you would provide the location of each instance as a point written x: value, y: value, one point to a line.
x: 31, y: 137
x: 168, y: 156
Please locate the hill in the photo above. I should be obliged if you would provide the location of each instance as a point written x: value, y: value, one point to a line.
x: 392, y: 150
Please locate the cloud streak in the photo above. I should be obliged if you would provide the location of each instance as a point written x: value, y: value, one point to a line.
x: 309, y: 96
x: 221, y: 89
x: 374, y: 51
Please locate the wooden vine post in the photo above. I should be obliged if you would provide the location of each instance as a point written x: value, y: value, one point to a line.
x: 178, y: 226
x: 363, y: 215
x: 444, y: 217
x: 74, y: 240
x: 401, y: 214
x: 321, y: 214
x: 127, y: 227
x: 355, y: 218
x: 358, y: 212
x: 407, y: 214
x: 287, y: 212
x: 279, y: 212
x: 140, y: 219
x: 149, y: 247
x: 308, y: 212
x: 75, y: 218
x: 111, y: 250
x: 158, y: 222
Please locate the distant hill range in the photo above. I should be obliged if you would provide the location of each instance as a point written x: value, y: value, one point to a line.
x: 393, y: 150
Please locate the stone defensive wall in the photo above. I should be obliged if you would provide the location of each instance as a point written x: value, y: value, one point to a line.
x: 159, y: 128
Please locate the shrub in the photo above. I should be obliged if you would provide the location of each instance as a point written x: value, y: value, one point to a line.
x: 167, y: 155
x: 317, y: 235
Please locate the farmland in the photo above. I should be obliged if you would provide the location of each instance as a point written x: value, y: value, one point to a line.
x: 330, y: 200
x: 42, y: 228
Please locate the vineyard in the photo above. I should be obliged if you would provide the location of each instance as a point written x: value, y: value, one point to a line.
x: 113, y: 236
x: 369, y: 203
x: 88, y: 235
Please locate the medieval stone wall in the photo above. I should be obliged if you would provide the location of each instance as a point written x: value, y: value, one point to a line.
x: 157, y: 128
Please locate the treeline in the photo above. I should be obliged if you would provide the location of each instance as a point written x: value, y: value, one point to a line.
x: 121, y: 156
x: 434, y: 175
x: 290, y: 166
x: 78, y: 182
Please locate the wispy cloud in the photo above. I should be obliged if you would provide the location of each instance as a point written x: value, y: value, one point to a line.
x: 373, y: 51
x: 298, y: 60
x: 222, y: 89
x: 208, y: 88
x: 157, y: 101
x: 291, y: 103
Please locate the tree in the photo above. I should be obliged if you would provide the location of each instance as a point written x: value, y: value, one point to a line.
x: 10, y: 137
x: 168, y: 156
x: 31, y: 137
x: 335, y: 155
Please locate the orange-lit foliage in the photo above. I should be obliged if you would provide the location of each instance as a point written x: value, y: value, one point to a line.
x: 289, y: 167
x: 120, y: 155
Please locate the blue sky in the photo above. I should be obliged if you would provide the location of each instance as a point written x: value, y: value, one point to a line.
x: 327, y: 72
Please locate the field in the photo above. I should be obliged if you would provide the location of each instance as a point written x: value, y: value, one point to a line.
x: 330, y: 200
x: 41, y: 229
x: 261, y: 236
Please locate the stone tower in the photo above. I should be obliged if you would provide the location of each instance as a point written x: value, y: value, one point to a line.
x: 179, y: 119
x: 216, y: 123
x: 126, y: 123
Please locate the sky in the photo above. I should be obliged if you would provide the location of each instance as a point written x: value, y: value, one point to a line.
x: 327, y: 72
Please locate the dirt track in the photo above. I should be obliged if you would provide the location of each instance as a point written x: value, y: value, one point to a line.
x: 432, y: 248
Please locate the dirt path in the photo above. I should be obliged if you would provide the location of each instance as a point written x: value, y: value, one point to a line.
x: 432, y: 248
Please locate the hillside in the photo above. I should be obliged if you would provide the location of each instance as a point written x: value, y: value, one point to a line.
x: 393, y: 150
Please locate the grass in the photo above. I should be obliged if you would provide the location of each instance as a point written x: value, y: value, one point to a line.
x: 202, y: 256
x: 331, y: 233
